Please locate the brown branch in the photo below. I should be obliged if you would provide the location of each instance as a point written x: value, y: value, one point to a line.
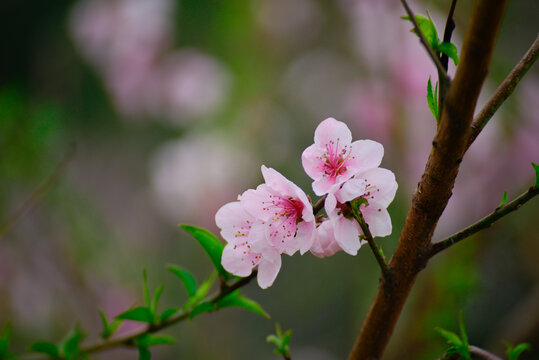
x: 485, y: 222
x: 505, y: 90
x: 435, y: 187
x: 449, y: 27
x: 36, y: 196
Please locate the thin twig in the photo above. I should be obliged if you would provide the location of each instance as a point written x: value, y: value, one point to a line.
x: 129, y: 340
x: 370, y: 240
x: 482, y: 353
x: 319, y: 204
x: 485, y: 222
x: 36, y: 196
x: 444, y: 59
x: 448, y: 32
x: 505, y: 90
x: 441, y: 71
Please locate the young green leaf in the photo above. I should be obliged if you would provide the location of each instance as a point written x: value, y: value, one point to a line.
x: 148, y: 340
x: 202, y: 308
x: 536, y: 168
x: 201, y: 292
x: 140, y: 313
x: 281, y: 341
x: 235, y: 299
x: 70, y: 347
x: 450, y: 50
x: 5, y: 338
x: 212, y: 246
x: 464, y: 351
x: 452, y: 338
x: 155, y: 300
x: 108, y: 328
x: 186, y: 278
x: 426, y: 26
x: 165, y: 315
x: 432, y: 99
x: 513, y: 352
x: 504, y: 200
x: 46, y: 348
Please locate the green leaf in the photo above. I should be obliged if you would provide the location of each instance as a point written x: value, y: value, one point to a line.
x: 212, y: 246
x: 432, y: 99
x: 426, y: 26
x: 144, y: 353
x: 452, y: 338
x: 536, y: 168
x: 71, y: 344
x: 148, y: 340
x: 108, y: 328
x: 235, y: 299
x: 140, y: 313
x: 202, y: 308
x: 463, y: 334
x: 146, y: 290
x: 5, y: 338
x: 201, y: 292
x: 281, y: 341
x: 450, y: 50
x: 165, y: 315
x: 504, y: 200
x: 45, y: 347
x: 155, y: 300
x: 187, y: 279
x: 513, y: 352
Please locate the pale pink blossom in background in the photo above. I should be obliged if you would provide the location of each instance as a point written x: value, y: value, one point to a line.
x: 285, y: 211
x: 290, y: 22
x: 333, y: 158
x: 192, y: 177
x: 129, y: 43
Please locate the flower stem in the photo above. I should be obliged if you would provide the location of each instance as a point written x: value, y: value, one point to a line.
x: 368, y: 236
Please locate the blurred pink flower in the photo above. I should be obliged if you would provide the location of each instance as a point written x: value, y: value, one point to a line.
x: 333, y: 158
x: 185, y: 190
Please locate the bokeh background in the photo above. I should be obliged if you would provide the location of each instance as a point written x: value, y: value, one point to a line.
x: 173, y: 105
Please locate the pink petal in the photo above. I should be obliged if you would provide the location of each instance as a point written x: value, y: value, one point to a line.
x: 323, y: 185
x: 256, y: 202
x: 365, y: 154
x: 324, y: 243
x: 267, y: 272
x: 312, y: 164
x: 304, y: 236
x: 384, y: 184
x: 330, y: 204
x: 230, y: 218
x: 275, y: 180
x: 236, y: 262
x: 378, y: 219
x: 332, y: 130
x: 347, y: 234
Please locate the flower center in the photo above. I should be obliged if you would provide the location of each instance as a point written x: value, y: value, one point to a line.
x: 335, y: 159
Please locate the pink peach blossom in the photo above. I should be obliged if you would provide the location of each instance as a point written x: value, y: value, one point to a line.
x: 378, y: 187
x: 246, y: 247
x: 285, y: 211
x: 324, y: 243
x: 333, y: 158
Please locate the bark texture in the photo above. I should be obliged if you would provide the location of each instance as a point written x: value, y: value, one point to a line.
x: 434, y: 189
